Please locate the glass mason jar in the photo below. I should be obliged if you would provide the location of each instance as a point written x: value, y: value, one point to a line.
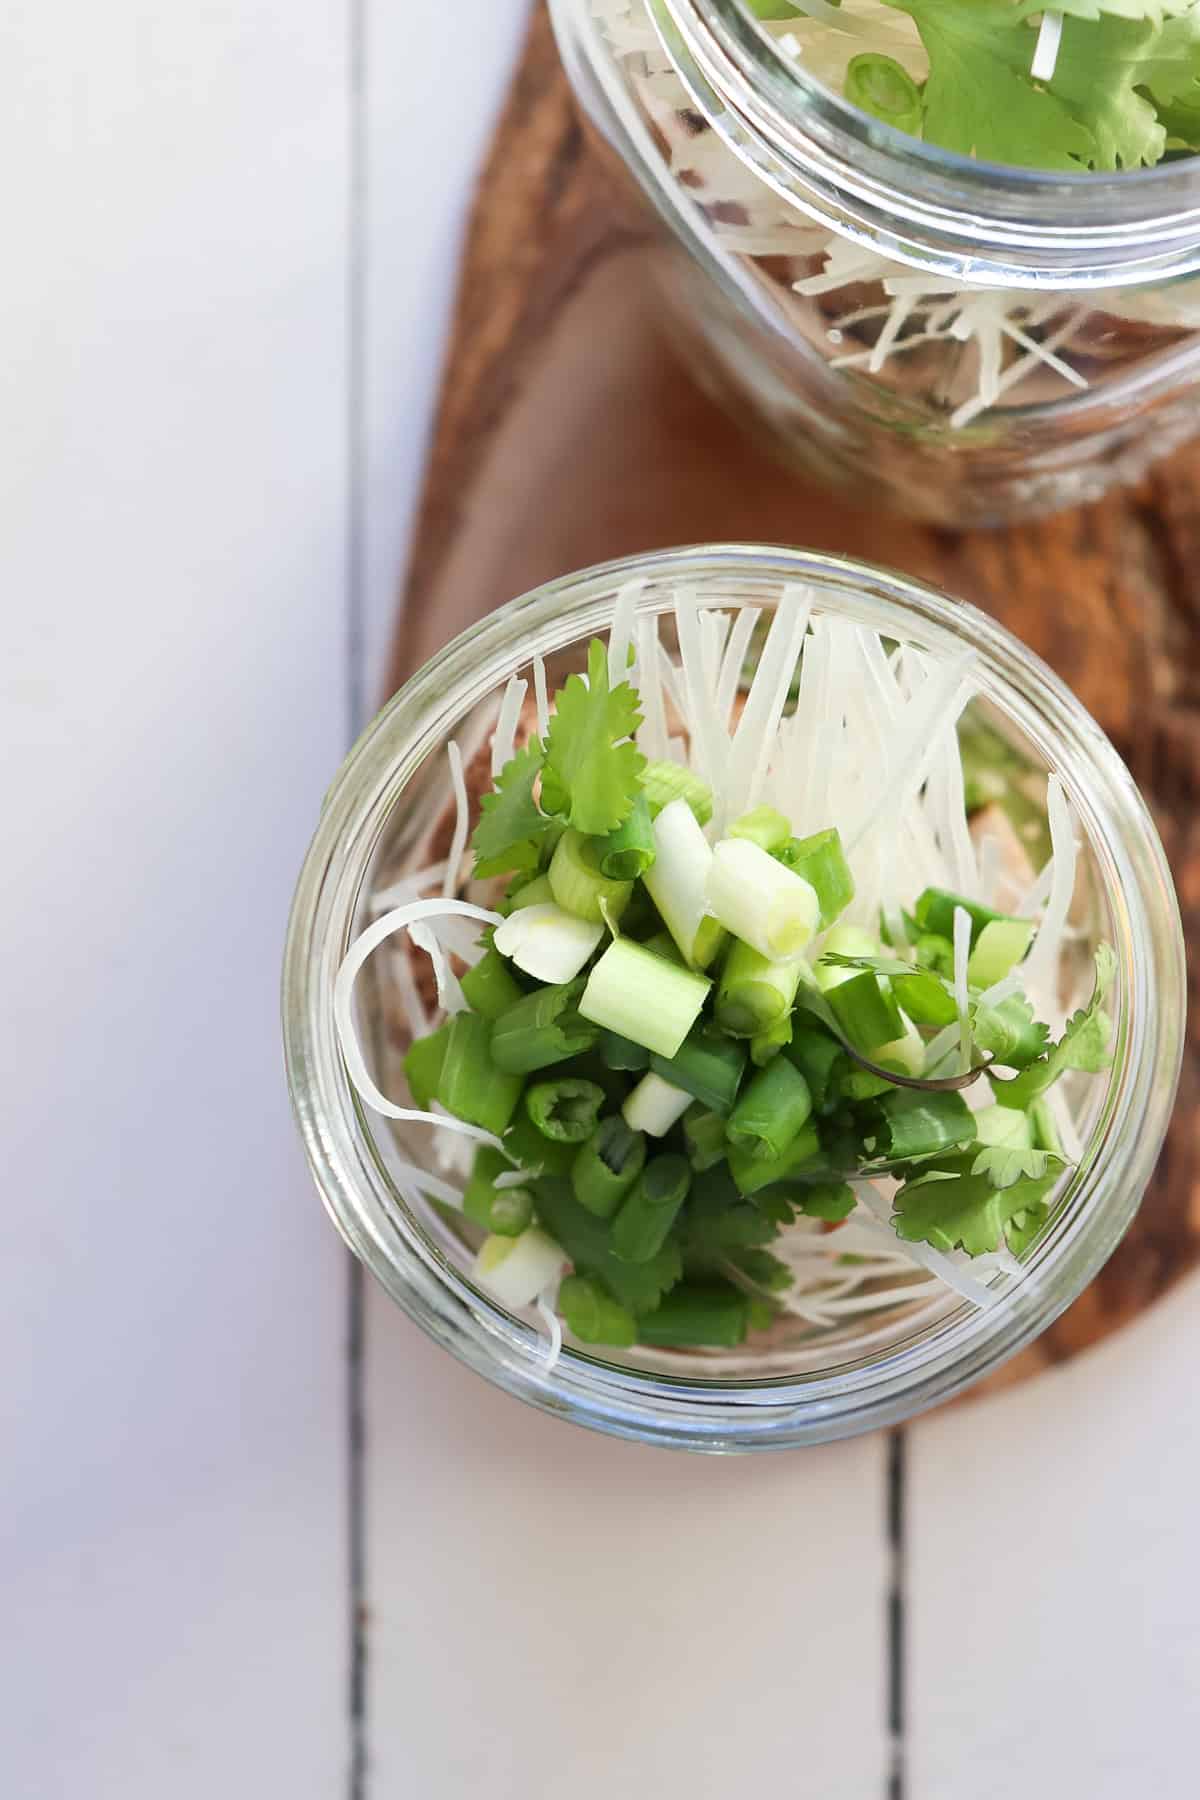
x: 388, y: 814
x: 959, y: 341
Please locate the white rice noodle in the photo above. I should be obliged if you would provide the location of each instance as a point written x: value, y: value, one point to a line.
x: 758, y: 728
x: 652, y: 737
x: 544, y: 1306
x: 736, y: 650
x: 709, y: 743
x: 431, y: 1186
x: 453, y: 1152
x: 400, y: 919
x: 943, y: 695
x: 541, y: 697
x: 1042, y: 963
x: 449, y: 991
x: 504, y: 742
x: 797, y: 771
x: 408, y: 887
x: 947, y: 802
x: 620, y: 632
x: 462, y: 817
x: 1038, y: 891
x: 1045, y: 55
x: 411, y: 1005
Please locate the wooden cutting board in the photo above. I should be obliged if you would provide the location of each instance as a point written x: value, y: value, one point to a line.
x: 567, y: 434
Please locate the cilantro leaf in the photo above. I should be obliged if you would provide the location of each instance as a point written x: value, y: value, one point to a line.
x: 1024, y: 1227
x: 1100, y: 65
x: 587, y: 1240
x: 1170, y: 74
x: 591, y: 777
x: 966, y: 1211
x: 764, y: 1270
x: 1009, y: 1033
x: 511, y: 825
x: 1006, y: 1164
x: 979, y: 98
x: 1084, y: 1045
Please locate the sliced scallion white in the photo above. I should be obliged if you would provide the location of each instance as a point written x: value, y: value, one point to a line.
x: 655, y: 1105
x: 643, y: 997
x: 516, y: 1270
x: 677, y: 881
x: 768, y: 906
x: 547, y: 943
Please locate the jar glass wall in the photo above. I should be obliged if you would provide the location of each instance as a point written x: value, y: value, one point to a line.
x: 961, y: 342
x: 828, y: 1370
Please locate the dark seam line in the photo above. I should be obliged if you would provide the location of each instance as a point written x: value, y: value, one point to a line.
x: 897, y: 1776
x: 355, y: 702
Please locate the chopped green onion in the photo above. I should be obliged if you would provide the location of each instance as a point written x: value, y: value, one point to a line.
x: 579, y: 887
x: 678, y: 879
x: 470, y: 1085
x: 708, y: 1316
x: 621, y: 1053
x: 541, y: 1029
x: 565, y: 1111
x: 640, y: 1228
x: 882, y: 87
x: 526, y: 1145
x: 924, y: 998
x: 817, y: 1055
x: 844, y: 940
x: 548, y: 943
x: 707, y: 1065
x: 855, y: 1084
x: 752, y: 1173
x: 592, y: 1315
x: 606, y: 1167
x: 664, y: 945
x: 489, y: 987
x: 905, y: 1054
x: 423, y: 1065
x: 764, y: 827
x: 935, y: 953
x: 537, y: 892
x: 655, y: 1105
x: 626, y: 853
x: 704, y: 1135
x: 771, y: 1112
x: 864, y: 1009
x: 766, y: 1045
x: 1000, y: 946
x: 821, y: 860
x: 503, y: 1210
x: 935, y: 913
x: 663, y: 782
x: 516, y: 1270
x: 754, y: 993
x: 920, y: 1124
x: 637, y: 994
x: 760, y: 901
x: 834, y: 1201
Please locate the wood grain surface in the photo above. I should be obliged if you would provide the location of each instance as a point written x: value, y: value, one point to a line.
x: 567, y: 433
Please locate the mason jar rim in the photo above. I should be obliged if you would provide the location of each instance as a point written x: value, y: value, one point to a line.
x: 774, y: 1412
x: 982, y: 223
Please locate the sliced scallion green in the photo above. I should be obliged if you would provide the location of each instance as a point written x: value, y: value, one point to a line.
x: 423, y: 1065
x: 708, y: 1065
x: 821, y: 860
x: 663, y: 782
x: 1000, y: 946
x: 578, y: 885
x: 543, y: 1028
x: 626, y: 853
x: 771, y: 1112
x: 921, y: 1124
x: 489, y: 987
x: 764, y: 827
x: 640, y: 1228
x: 565, y: 1111
x: 606, y: 1167
x: 592, y: 1315
x: 503, y: 1210
x: 752, y: 1173
x: 621, y: 1053
x: 766, y: 1045
x: 470, y: 1085
x: 704, y: 1135
x: 707, y: 1315
x: 638, y: 995
x: 754, y: 992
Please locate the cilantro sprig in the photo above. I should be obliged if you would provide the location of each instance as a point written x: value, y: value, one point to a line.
x: 586, y: 774
x: 1126, y: 81
x: 1084, y: 1045
x: 968, y: 1212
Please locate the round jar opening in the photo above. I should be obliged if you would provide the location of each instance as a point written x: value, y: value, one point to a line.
x: 870, y: 1340
x: 977, y: 222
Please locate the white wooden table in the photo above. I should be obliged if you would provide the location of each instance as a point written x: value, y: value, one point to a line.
x: 258, y: 1538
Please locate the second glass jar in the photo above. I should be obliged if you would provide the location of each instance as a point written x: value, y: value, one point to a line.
x: 957, y: 341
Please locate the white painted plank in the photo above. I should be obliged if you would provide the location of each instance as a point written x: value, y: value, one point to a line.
x: 1054, y: 1565
x: 435, y: 79
x: 172, y: 704
x: 551, y: 1610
